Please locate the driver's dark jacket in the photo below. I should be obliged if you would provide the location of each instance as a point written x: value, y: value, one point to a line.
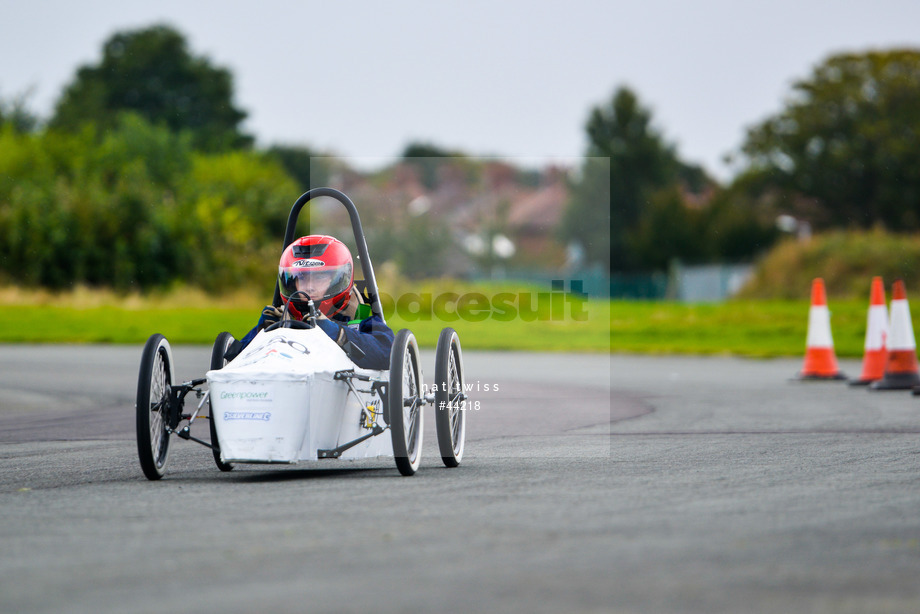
x: 370, y: 335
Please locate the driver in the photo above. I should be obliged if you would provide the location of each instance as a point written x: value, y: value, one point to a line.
x: 321, y: 266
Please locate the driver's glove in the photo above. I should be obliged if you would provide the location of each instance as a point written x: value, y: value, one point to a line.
x: 270, y: 315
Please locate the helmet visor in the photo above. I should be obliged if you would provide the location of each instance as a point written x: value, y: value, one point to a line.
x: 319, y: 284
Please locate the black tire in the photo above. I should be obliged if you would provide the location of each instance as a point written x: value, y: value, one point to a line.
x: 450, y: 410
x: 218, y: 361
x: 152, y: 406
x: 405, y: 402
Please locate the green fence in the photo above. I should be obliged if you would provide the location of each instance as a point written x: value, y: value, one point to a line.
x: 694, y: 284
x: 595, y: 282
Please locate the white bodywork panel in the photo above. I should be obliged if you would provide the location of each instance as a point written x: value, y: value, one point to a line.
x: 278, y: 401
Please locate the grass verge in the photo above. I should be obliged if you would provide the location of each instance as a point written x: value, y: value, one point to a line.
x: 110, y: 324
x: 747, y: 328
x: 190, y: 317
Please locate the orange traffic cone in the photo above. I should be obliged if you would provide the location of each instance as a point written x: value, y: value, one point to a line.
x: 876, y: 354
x: 820, y: 359
x: 901, y: 367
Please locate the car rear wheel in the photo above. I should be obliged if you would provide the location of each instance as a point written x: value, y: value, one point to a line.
x: 450, y: 399
x: 405, y: 402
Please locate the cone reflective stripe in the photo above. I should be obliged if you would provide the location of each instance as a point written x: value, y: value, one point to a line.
x: 820, y: 359
x: 876, y: 346
x: 901, y: 367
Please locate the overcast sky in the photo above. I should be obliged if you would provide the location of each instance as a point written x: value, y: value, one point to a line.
x: 506, y: 78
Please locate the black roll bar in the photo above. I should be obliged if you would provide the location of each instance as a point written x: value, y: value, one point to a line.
x: 366, y: 266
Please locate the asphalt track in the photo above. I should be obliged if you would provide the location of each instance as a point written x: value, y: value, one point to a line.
x: 590, y: 484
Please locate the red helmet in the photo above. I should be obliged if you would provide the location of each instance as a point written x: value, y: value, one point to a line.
x: 322, y: 267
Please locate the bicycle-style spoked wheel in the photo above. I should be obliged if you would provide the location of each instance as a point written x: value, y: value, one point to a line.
x: 405, y: 402
x: 218, y: 361
x: 153, y: 387
x: 450, y: 414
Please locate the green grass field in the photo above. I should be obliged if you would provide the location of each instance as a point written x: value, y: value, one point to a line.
x: 748, y: 328
x: 47, y: 324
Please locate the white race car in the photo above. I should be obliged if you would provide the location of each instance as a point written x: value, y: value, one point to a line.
x: 293, y: 395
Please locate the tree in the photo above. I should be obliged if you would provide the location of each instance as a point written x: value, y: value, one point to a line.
x: 734, y: 229
x: 847, y: 143
x: 16, y: 113
x: 310, y: 169
x: 669, y: 230
x: 640, y: 162
x: 586, y: 220
x: 136, y: 208
x: 427, y: 158
x: 151, y: 72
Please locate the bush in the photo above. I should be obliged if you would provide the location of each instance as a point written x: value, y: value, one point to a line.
x: 136, y: 208
x: 846, y: 260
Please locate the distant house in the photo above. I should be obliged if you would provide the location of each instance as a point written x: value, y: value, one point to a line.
x: 534, y: 218
x: 475, y: 201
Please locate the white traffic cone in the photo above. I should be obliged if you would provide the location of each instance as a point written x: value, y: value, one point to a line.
x: 901, y: 367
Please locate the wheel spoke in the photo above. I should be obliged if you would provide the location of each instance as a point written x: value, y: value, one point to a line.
x: 158, y: 407
x: 410, y: 413
x: 413, y: 430
x: 455, y: 424
x: 455, y: 417
x: 456, y: 410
